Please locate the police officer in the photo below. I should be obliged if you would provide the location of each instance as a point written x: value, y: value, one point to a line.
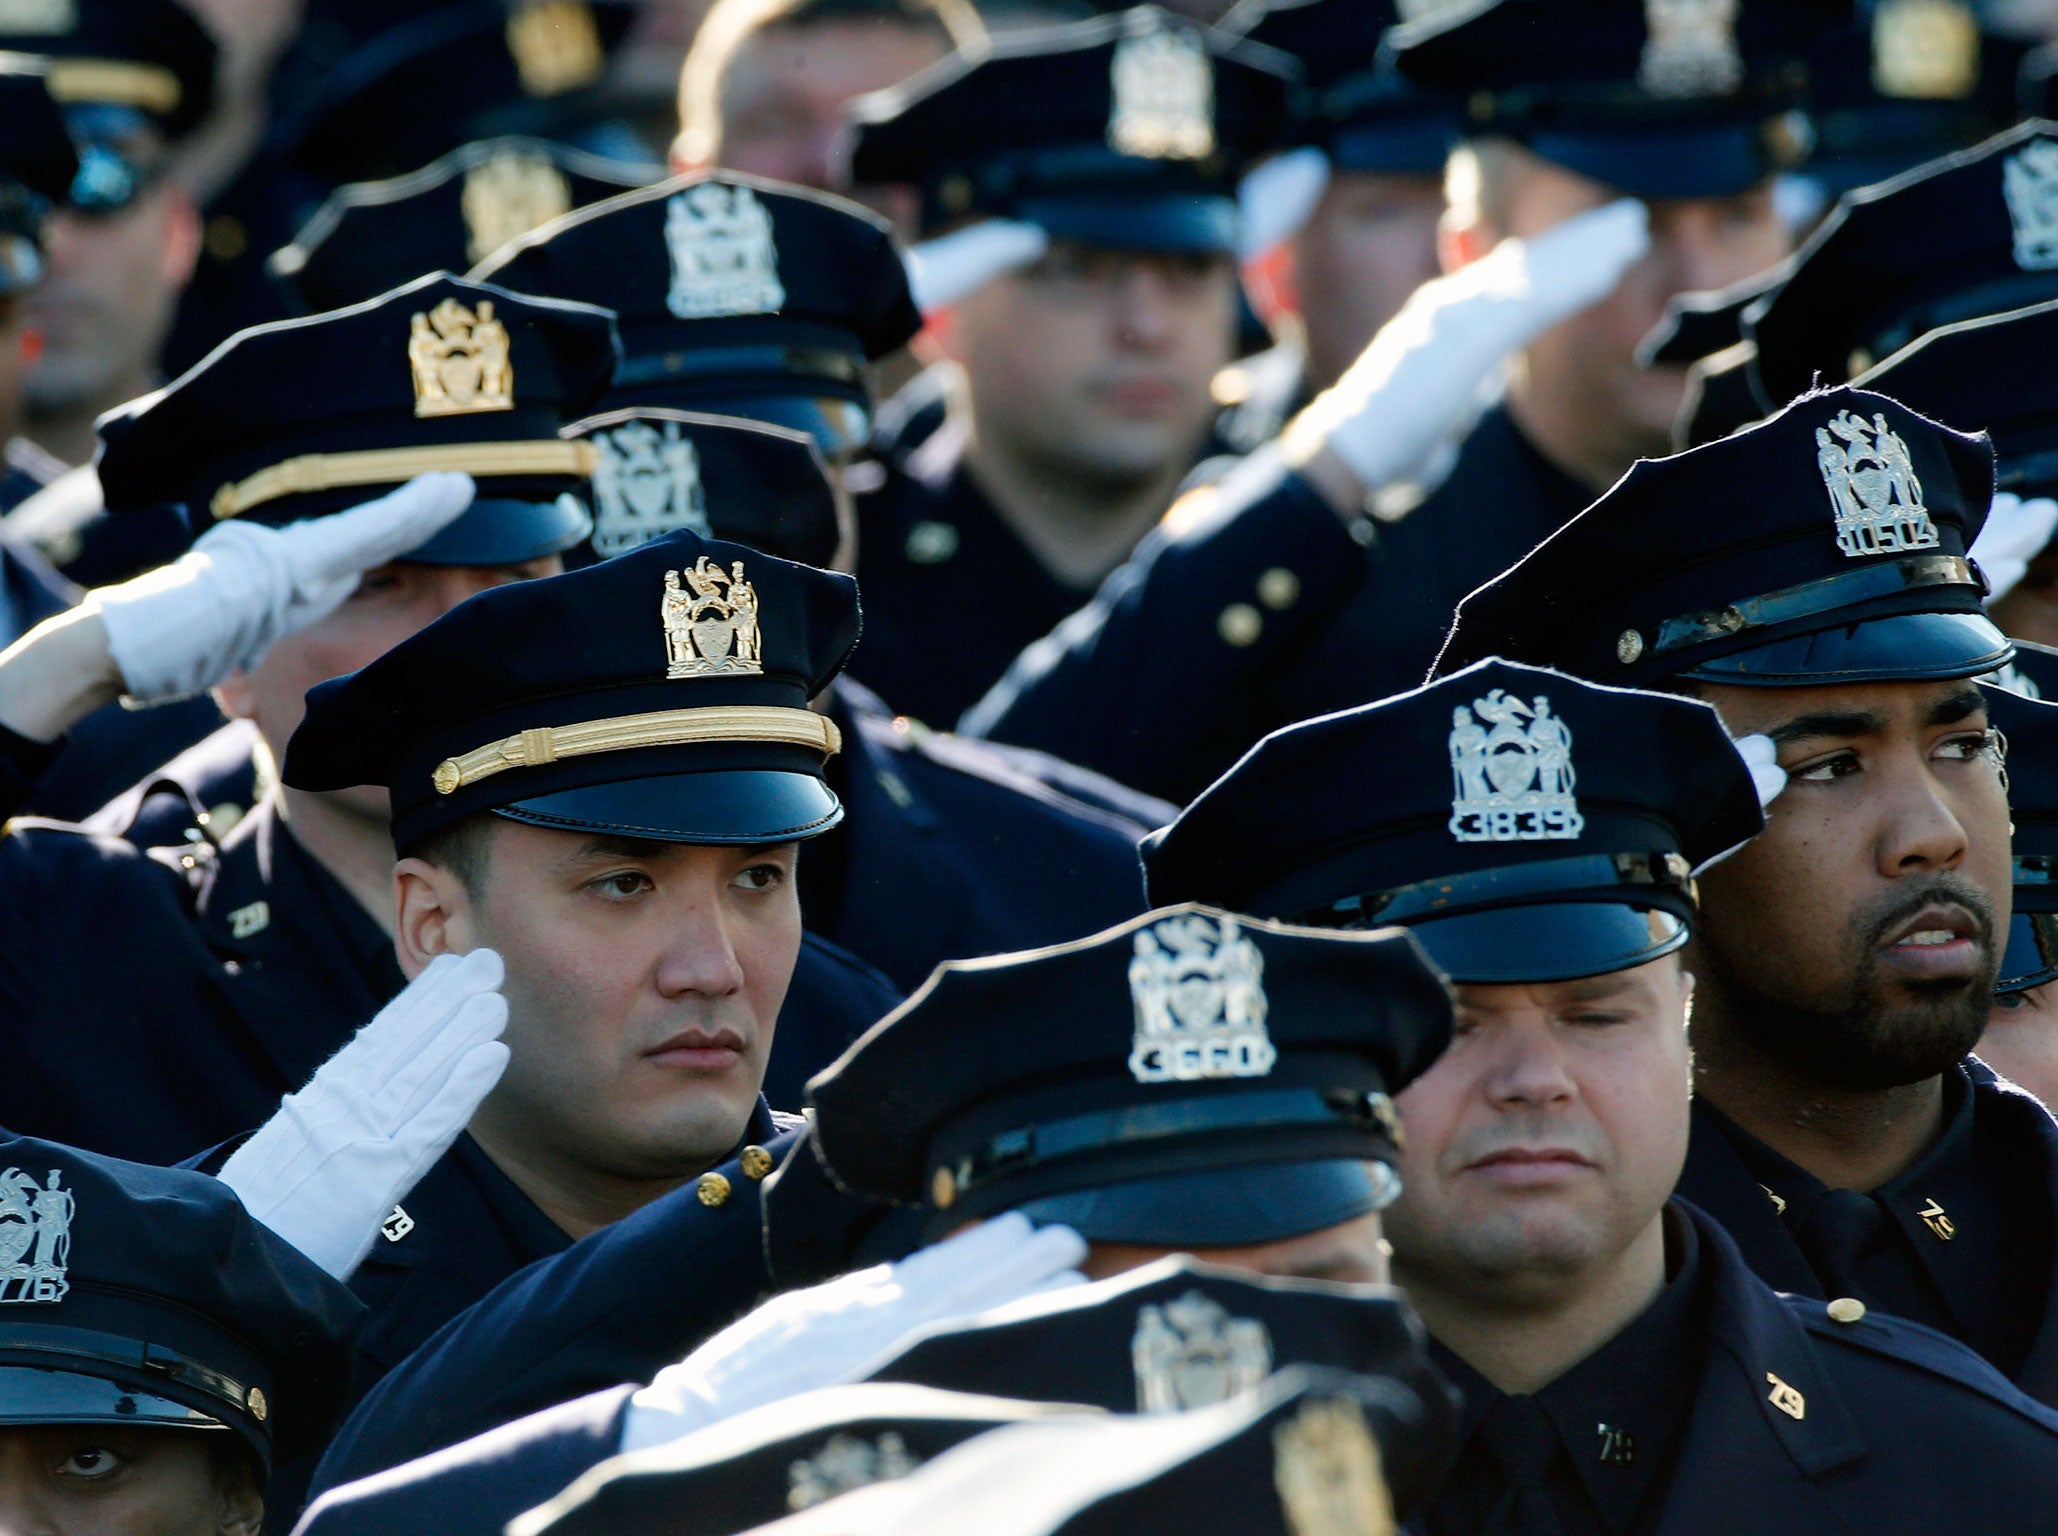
x: 590, y: 1320
x: 160, y: 1350
x: 1847, y: 955
x: 1282, y: 596
x: 2019, y: 1042
x: 1085, y: 373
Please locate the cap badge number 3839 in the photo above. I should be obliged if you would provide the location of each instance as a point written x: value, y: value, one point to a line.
x: 1164, y: 96
x: 2029, y: 182
x: 646, y: 483
x: 1199, y: 989
x: 1872, y: 486
x: 35, y: 1238
x: 710, y: 621
x: 1511, y: 765
x: 724, y: 261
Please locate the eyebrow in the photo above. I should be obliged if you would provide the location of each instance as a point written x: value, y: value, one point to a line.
x: 1961, y: 705
x: 1856, y: 722
x: 605, y: 847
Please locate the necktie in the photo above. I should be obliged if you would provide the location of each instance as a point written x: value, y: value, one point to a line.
x: 1844, y: 1229
x: 1518, y: 1439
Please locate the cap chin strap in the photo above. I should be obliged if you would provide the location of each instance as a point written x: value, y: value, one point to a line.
x: 1805, y: 601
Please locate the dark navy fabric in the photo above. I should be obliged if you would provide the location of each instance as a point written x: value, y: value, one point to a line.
x: 30, y: 591
x: 1158, y: 684
x: 2015, y: 1152
x: 617, y: 1306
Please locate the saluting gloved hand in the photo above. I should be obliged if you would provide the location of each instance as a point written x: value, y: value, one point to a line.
x: 338, y: 1156
x: 220, y: 606
x: 2016, y: 532
x: 1416, y: 384
x: 828, y: 1333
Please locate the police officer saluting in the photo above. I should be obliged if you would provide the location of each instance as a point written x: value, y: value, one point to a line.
x: 1809, y: 579
x: 1623, y: 1368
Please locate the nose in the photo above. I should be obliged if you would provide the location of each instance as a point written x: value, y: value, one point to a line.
x: 1528, y: 1067
x: 1145, y: 318
x: 1921, y: 832
x: 700, y: 959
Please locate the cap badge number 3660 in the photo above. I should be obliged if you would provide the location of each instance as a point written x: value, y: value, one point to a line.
x: 35, y: 1238
x: 1872, y: 486
x: 1199, y: 989
x: 1512, y: 767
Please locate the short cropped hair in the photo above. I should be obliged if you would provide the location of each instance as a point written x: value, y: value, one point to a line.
x: 464, y: 848
x: 729, y: 24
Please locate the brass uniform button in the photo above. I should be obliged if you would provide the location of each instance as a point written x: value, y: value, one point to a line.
x: 260, y: 1410
x: 943, y: 1189
x: 1279, y: 589
x: 1629, y: 645
x: 1239, y: 625
x: 1846, y: 1309
x: 713, y: 1190
x: 757, y: 1162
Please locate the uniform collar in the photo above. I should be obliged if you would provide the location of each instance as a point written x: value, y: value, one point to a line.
x: 1622, y: 1412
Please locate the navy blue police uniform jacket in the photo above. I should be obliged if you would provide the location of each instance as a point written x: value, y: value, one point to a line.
x: 156, y: 1001
x: 1254, y: 605
x: 2017, y: 1152
x: 1890, y: 1427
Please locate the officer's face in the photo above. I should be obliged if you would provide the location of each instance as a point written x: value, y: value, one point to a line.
x: 1543, y: 1144
x: 2021, y: 1040
x: 1352, y: 1251
x: 1856, y: 939
x: 390, y: 604
x: 1094, y: 365
x: 785, y: 90
x: 19, y: 344
x: 104, y: 1480
x: 643, y: 983
x: 1369, y: 244
x: 106, y: 304
x: 1579, y: 388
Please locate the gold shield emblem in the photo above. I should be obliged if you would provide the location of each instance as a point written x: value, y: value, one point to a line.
x: 710, y: 622
x: 460, y: 361
x: 1164, y: 86
x: 1925, y: 50
x: 506, y: 197
x: 1326, y: 1468
x: 555, y: 46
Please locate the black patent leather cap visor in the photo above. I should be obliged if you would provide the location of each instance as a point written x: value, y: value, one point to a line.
x: 495, y: 532
x: 32, y: 1394
x: 1220, y: 1207
x: 1548, y: 941
x: 737, y: 806
x: 2031, y: 957
x: 1906, y: 647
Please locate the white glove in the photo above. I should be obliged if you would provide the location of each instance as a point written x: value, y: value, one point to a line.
x: 832, y: 1332
x: 1417, y: 382
x: 1276, y: 199
x: 338, y: 1156
x: 2016, y: 532
x: 1761, y: 756
x: 220, y: 606
x: 944, y: 270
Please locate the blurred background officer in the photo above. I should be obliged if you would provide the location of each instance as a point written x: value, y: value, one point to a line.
x: 1296, y: 1195
x: 2021, y: 1038
x: 135, y: 78
x: 1570, y: 107
x: 37, y: 166
x: 269, y: 953
x: 1079, y: 392
x: 1374, y: 147
x: 160, y: 1351
x: 605, y: 777
x: 767, y: 82
x: 1623, y: 1370
x: 1122, y: 1346
x: 1811, y: 582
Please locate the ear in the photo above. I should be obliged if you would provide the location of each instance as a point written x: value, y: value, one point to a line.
x: 433, y: 915
x: 181, y: 236
x: 236, y: 696
x: 242, y: 1504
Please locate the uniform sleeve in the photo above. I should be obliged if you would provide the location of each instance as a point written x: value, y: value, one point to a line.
x: 22, y: 765
x: 1159, y: 682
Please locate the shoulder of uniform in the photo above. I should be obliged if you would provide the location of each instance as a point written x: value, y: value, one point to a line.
x: 1937, y: 1361
x: 1066, y: 789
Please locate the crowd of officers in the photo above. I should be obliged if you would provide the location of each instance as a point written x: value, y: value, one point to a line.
x: 1424, y: 896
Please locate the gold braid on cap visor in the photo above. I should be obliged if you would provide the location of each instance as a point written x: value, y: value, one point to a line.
x: 625, y: 733
x: 313, y: 472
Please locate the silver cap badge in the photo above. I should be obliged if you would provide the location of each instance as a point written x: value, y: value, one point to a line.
x: 2029, y: 181
x: 646, y: 483
x: 35, y: 1238
x: 1512, y: 766
x: 1872, y: 486
x: 844, y: 1464
x: 1190, y: 1353
x: 1164, y: 84
x: 1690, y: 48
x: 723, y: 259
x: 1198, y: 986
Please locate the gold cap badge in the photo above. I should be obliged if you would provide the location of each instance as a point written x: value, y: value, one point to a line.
x: 1925, y: 50
x: 507, y: 196
x: 460, y: 361
x: 711, y: 623
x: 1326, y: 1467
x: 555, y: 46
